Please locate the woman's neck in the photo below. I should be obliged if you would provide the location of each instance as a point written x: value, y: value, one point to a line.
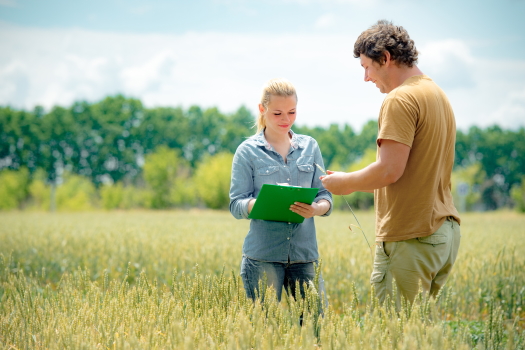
x: 280, y: 143
x: 276, y: 138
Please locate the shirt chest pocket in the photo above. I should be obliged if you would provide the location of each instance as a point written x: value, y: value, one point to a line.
x: 305, y: 167
x: 267, y: 170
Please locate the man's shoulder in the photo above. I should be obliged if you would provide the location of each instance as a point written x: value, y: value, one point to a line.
x: 412, y: 85
x: 413, y: 90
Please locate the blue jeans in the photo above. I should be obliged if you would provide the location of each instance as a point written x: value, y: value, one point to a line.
x: 278, y: 275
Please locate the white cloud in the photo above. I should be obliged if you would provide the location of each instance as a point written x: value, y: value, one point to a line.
x: 15, y: 81
x: 50, y: 67
x: 326, y: 20
x: 512, y: 111
x: 482, y: 91
x: 450, y: 61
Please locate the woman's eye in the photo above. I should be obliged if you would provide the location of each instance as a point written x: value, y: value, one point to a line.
x: 292, y: 112
x: 277, y: 114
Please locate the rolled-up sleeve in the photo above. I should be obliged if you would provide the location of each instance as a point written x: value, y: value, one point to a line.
x: 241, y: 186
x: 316, y: 182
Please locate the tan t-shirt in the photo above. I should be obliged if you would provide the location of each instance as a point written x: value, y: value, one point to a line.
x: 418, y: 114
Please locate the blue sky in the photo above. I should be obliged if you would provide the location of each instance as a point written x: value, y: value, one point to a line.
x: 220, y: 52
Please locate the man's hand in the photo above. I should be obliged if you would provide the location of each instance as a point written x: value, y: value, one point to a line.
x: 334, y: 182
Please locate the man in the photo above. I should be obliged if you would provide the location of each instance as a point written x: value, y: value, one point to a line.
x: 417, y: 225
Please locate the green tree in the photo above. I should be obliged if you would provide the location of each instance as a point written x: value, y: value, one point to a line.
x: 76, y: 193
x: 120, y: 196
x: 212, y: 180
x: 238, y: 127
x: 112, y: 196
x: 367, y: 138
x: 337, y: 144
x: 207, y: 130
x: 518, y: 195
x: 163, y: 126
x: 39, y: 191
x: 340, y: 145
x: 471, y: 176
x: 13, y: 188
x: 361, y: 200
x: 110, y: 141
x: 168, y: 176
x: 498, y: 151
x: 19, y: 144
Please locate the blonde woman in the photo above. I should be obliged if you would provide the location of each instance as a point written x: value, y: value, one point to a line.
x: 283, y: 252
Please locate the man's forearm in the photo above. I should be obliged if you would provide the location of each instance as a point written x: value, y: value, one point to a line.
x: 368, y: 179
x: 374, y: 176
x: 387, y: 169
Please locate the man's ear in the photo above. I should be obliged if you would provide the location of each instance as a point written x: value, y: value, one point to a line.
x: 387, y: 58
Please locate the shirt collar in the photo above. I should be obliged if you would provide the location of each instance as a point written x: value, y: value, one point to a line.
x: 296, y: 141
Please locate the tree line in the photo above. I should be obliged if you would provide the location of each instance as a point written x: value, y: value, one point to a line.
x: 115, y: 153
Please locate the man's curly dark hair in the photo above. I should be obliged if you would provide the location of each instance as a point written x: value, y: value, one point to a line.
x: 385, y: 36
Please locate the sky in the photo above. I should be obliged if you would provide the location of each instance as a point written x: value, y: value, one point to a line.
x: 219, y: 53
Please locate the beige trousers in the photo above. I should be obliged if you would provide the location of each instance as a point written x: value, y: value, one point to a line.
x: 425, y: 261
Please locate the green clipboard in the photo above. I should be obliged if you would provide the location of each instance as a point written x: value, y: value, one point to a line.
x: 274, y: 201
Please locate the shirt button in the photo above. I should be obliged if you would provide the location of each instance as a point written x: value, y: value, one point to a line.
x: 288, y: 179
x: 288, y: 238
x: 289, y: 223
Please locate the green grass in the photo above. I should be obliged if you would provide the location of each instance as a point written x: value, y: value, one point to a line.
x: 164, y: 280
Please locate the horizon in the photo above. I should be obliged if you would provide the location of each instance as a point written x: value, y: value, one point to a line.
x: 299, y: 124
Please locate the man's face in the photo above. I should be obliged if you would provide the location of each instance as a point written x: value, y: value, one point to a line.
x: 376, y: 73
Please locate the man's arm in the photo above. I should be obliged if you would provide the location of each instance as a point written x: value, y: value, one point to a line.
x: 390, y: 166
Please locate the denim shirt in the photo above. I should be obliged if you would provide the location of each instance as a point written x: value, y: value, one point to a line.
x: 256, y: 163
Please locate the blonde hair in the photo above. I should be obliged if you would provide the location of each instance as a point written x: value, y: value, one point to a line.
x: 274, y: 87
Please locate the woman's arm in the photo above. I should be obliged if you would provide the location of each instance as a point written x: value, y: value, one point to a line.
x: 322, y: 205
x: 241, y: 186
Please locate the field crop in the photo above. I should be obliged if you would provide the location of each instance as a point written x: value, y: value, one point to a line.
x: 170, y: 280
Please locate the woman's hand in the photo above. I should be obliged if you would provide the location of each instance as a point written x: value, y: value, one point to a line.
x: 251, y: 203
x: 308, y: 211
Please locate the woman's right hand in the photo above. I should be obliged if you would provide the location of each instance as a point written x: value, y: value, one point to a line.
x: 250, y: 205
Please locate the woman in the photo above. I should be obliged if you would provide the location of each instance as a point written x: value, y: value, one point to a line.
x: 283, y: 252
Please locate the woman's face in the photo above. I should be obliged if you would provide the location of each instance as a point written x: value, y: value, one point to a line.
x: 280, y: 114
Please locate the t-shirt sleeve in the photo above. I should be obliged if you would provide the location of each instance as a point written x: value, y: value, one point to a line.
x: 397, y: 121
